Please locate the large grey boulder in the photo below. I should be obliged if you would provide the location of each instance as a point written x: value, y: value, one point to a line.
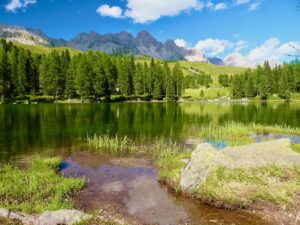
x: 278, y: 152
x: 66, y: 217
x: 198, y: 168
x: 205, y: 158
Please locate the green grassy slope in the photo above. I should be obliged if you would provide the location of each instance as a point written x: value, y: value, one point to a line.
x: 191, y: 67
x: 46, y: 50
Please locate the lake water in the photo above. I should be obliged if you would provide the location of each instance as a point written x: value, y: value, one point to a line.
x: 27, y: 129
x: 54, y: 129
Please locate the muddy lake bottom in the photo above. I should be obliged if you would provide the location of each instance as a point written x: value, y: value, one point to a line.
x: 129, y: 186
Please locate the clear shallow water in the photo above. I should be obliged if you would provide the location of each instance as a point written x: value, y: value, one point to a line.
x: 129, y: 186
x: 28, y: 129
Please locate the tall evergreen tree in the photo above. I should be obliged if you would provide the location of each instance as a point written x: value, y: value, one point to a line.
x: 139, y: 80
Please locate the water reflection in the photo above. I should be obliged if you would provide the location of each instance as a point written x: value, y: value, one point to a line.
x: 32, y: 128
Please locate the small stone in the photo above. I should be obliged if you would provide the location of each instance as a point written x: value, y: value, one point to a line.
x: 4, y: 213
x: 290, y: 215
x: 67, y: 217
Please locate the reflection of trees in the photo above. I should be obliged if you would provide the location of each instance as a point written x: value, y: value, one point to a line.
x: 34, y: 127
x: 269, y: 114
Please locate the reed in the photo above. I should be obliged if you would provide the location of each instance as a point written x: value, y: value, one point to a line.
x: 124, y: 146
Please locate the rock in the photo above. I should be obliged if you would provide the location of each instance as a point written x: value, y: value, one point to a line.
x: 205, y: 158
x: 25, y: 219
x: 66, y: 217
x: 4, y: 213
x: 198, y: 167
x: 278, y: 152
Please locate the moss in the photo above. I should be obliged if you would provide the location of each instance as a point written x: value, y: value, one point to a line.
x: 241, y: 188
x: 37, y: 188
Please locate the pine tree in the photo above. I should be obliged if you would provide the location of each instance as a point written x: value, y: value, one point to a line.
x: 170, y: 84
x: 70, y: 91
x: 83, y: 78
x: 263, y: 90
x: 13, y: 69
x: 3, y: 70
x: 22, y: 73
x: 178, y: 77
x: 139, y: 80
x: 250, y: 89
x: 101, y: 83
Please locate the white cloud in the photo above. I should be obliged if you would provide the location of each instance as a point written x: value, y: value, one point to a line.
x: 213, y: 47
x: 143, y: 11
x: 181, y: 43
x: 220, y: 6
x: 114, y: 11
x: 216, y: 7
x: 271, y: 50
x: 14, y: 5
x: 240, y: 45
x: 237, y: 59
x: 242, y: 2
x: 254, y: 6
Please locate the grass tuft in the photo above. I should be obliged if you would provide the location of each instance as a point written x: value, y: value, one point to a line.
x: 241, y: 188
x: 38, y: 188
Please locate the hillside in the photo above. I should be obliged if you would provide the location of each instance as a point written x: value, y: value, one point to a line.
x: 41, y: 49
x: 190, y: 68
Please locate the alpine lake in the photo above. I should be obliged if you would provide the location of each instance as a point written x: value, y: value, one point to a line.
x: 127, y: 184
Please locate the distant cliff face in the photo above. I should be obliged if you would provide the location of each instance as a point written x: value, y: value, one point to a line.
x: 124, y: 42
x: 120, y: 43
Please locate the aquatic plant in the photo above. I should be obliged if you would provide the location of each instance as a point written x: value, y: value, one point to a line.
x: 124, y: 146
x: 236, y: 133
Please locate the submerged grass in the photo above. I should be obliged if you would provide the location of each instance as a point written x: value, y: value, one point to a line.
x: 235, y: 133
x: 242, y: 188
x: 38, y: 188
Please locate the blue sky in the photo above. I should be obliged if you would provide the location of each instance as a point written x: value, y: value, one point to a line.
x: 250, y: 30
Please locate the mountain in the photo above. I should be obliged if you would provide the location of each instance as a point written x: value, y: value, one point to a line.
x: 120, y: 43
x: 216, y: 61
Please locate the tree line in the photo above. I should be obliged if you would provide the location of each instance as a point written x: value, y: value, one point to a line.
x: 90, y: 75
x: 264, y: 81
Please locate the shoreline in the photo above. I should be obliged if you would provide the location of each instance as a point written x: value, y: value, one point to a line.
x: 78, y: 101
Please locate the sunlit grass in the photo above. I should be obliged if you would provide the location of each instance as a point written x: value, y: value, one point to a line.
x: 240, y: 188
x: 209, y: 93
x: 38, y: 188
